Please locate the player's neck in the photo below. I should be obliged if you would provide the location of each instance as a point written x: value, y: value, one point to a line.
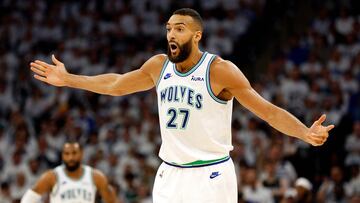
x: 77, y: 174
x: 190, y: 62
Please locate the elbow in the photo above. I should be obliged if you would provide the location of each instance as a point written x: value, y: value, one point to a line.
x: 112, y: 90
x: 115, y: 93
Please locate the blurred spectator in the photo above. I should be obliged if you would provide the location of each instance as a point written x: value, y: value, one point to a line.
x: 352, y: 187
x: 32, y: 171
x: 5, y: 194
x: 144, y: 194
x: 322, y: 22
x: 19, y: 188
x: 14, y: 165
x: 303, y: 190
x: 289, y: 196
x: 284, y: 169
x: 46, y: 154
x: 344, y: 24
x: 294, y: 90
x: 253, y: 190
x: 254, y: 140
x: 332, y: 190
x: 220, y: 43
x: 4, y: 142
x: 271, y: 181
x: 352, y: 146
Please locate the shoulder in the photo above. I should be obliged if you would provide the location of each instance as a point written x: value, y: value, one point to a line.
x: 99, y: 178
x: 97, y: 173
x: 154, y: 65
x: 159, y: 58
x: 50, y: 176
x: 154, y: 62
x: 46, y: 182
x: 221, y: 66
x: 226, y: 73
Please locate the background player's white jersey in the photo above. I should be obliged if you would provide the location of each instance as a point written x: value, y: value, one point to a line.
x: 68, y: 190
x: 195, y: 125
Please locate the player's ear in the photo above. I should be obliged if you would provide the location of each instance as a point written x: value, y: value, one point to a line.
x: 197, y: 36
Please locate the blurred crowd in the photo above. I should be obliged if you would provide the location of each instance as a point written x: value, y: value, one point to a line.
x: 313, y: 72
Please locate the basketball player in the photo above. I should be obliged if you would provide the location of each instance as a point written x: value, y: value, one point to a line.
x: 71, y: 182
x: 195, y: 91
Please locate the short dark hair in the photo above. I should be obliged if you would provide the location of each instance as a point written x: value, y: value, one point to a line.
x: 73, y: 141
x: 193, y: 14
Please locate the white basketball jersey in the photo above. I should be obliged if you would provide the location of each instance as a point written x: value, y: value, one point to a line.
x: 68, y: 190
x: 195, y: 125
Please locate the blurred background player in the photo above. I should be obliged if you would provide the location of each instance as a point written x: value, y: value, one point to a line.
x: 71, y: 182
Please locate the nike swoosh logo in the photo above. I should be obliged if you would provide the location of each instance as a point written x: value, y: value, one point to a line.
x: 168, y: 75
x: 214, y: 175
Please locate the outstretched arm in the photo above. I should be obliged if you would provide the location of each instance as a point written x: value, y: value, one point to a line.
x: 106, y: 191
x: 43, y: 186
x: 111, y: 84
x: 230, y: 79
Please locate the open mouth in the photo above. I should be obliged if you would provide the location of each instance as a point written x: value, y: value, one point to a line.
x: 173, y: 47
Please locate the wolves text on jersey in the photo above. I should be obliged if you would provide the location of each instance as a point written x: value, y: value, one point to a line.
x: 73, y: 194
x: 181, y: 94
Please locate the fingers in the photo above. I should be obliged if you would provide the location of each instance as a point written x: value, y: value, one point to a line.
x: 41, y: 70
x: 37, y: 71
x: 42, y: 63
x: 55, y: 61
x: 38, y: 77
x: 318, y: 138
x: 318, y: 141
x: 330, y: 127
x: 320, y: 120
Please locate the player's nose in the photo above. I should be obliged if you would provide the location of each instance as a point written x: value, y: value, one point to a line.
x: 171, y: 36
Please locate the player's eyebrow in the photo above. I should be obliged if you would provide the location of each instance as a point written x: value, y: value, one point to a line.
x: 176, y: 24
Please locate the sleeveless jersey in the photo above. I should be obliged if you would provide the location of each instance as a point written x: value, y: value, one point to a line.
x: 195, y: 125
x: 68, y: 190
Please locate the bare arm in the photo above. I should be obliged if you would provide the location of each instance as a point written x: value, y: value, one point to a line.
x: 45, y: 183
x: 228, y: 78
x: 138, y: 80
x: 43, y: 186
x: 106, y: 191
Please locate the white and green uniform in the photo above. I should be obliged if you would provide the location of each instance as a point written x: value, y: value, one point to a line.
x: 68, y: 190
x: 196, y: 133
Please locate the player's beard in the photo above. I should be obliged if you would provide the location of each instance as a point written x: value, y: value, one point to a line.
x: 184, y: 52
x: 73, y: 167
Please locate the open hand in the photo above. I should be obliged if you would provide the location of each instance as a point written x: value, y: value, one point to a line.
x: 51, y: 74
x: 318, y: 134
